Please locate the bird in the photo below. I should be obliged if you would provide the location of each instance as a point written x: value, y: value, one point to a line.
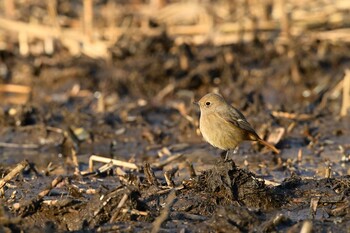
x: 225, y: 127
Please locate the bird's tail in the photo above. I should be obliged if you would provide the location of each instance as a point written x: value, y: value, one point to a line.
x: 269, y: 145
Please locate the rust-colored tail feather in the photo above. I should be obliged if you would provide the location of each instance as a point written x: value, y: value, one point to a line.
x: 269, y: 145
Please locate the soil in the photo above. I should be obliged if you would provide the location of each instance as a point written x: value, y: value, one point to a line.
x: 138, y: 108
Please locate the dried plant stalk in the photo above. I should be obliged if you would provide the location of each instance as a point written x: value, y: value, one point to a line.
x: 346, y: 94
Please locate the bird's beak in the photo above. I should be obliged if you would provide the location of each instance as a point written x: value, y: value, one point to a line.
x: 196, y: 103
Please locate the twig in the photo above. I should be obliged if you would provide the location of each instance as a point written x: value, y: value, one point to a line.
x: 164, y: 92
x: 134, y: 212
x: 101, y: 207
x: 284, y: 17
x: 191, y: 169
x: 164, y: 213
x: 15, y: 88
x: 30, y: 207
x: 291, y: 126
x: 341, y: 34
x: 307, y: 227
x: 23, y: 43
x: 346, y: 94
x: 269, y: 182
x: 294, y: 116
x: 162, y: 164
x: 70, y: 37
x: 53, y: 184
x: 9, y: 6
x: 120, y: 205
x: 313, y: 206
x: 90, y: 191
x: 88, y: 17
x: 271, y: 224
x: 15, y: 145
x: 300, y: 155
x: 105, y: 202
x: 109, y: 228
x: 13, y: 173
x: 168, y: 179
x: 161, y: 192
x: 54, y: 129
x: 59, y: 202
x: 150, y: 175
x: 276, y: 135
x: 105, y: 167
x: 328, y: 172
x: 340, y: 210
x: 52, y: 12
x: 96, y: 158
x: 120, y: 172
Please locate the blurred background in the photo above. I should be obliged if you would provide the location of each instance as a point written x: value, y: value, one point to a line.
x: 118, y: 78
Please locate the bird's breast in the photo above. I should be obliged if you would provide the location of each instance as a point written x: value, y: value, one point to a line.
x: 219, y: 132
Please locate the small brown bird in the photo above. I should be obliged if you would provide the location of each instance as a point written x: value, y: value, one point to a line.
x: 225, y: 127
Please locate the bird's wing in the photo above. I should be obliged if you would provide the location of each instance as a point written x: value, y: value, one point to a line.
x: 236, y: 118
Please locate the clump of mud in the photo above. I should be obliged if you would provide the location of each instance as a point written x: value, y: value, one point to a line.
x: 225, y: 185
x: 223, y: 198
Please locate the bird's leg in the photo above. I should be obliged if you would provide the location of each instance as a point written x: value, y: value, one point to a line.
x: 227, y: 155
x: 234, y: 151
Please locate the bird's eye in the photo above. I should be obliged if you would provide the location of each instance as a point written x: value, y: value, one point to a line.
x: 207, y: 103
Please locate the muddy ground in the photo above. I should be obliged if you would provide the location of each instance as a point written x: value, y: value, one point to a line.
x: 138, y: 108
